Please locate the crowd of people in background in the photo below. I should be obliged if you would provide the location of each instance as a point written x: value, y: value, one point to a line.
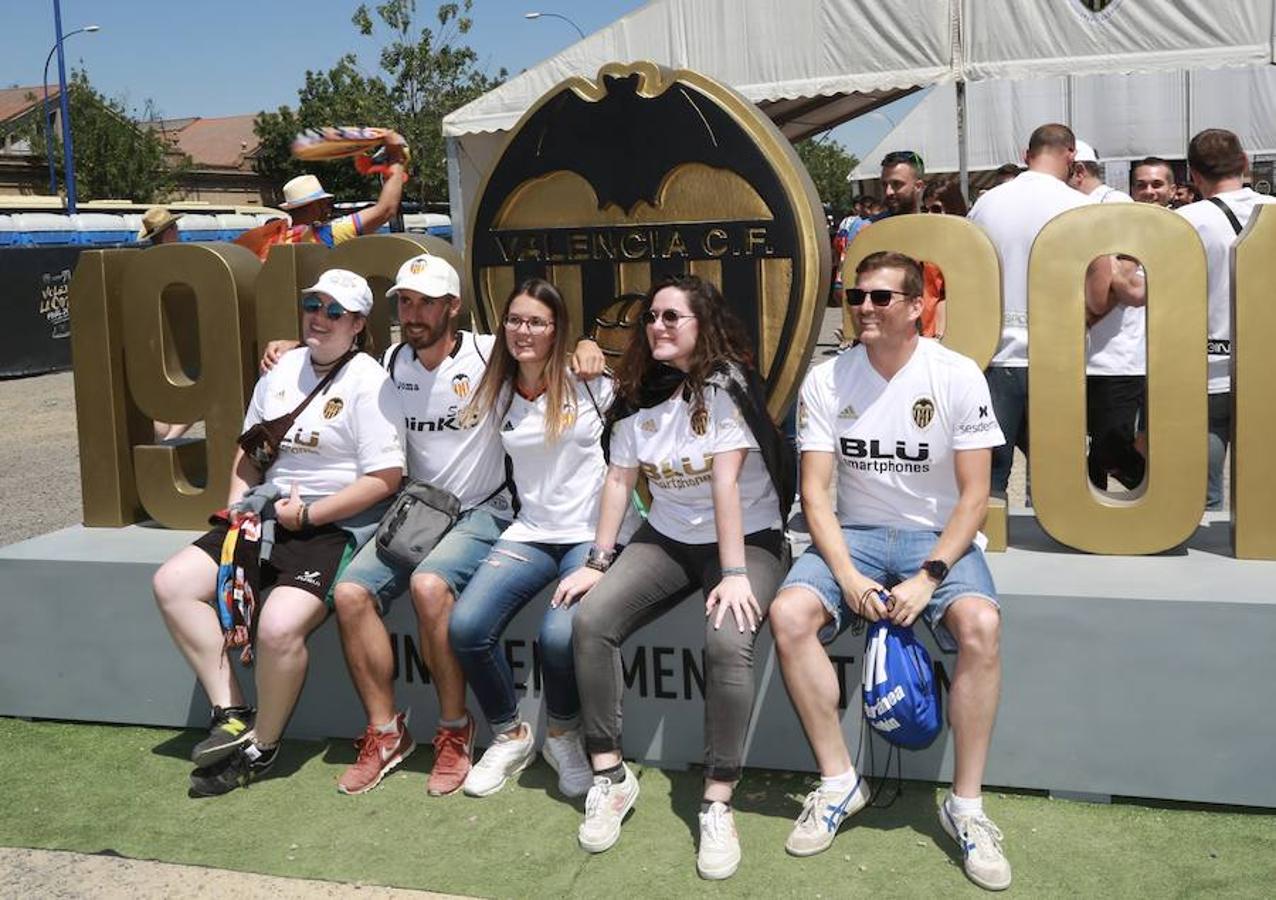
x: 1061, y: 172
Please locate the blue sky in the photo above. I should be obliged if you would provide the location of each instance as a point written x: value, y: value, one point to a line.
x: 229, y: 57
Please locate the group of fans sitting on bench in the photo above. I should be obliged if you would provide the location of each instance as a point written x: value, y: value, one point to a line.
x: 685, y: 408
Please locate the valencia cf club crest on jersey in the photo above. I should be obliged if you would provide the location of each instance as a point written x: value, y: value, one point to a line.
x: 332, y: 408
x: 923, y: 412
x: 700, y: 422
x: 607, y: 185
x: 461, y: 385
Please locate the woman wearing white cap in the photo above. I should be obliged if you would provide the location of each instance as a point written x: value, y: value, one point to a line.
x: 339, y: 456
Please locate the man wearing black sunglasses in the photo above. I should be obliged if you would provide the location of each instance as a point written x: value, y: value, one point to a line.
x: 907, y: 427
x: 903, y: 184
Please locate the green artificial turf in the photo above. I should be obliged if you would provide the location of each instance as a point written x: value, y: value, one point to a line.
x: 122, y: 790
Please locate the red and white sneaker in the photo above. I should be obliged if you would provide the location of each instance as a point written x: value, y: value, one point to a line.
x: 453, y: 754
x: 379, y: 754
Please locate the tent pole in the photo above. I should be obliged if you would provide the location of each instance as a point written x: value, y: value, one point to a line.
x: 962, y: 161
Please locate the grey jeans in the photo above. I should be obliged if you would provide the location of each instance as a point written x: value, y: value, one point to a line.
x: 653, y: 575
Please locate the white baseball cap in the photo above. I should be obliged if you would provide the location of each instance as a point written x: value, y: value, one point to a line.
x: 1085, y: 153
x: 347, y: 288
x: 432, y: 276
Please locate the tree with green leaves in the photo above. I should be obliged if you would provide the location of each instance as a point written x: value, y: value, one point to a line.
x: 115, y: 157
x: 425, y: 73
x: 829, y: 164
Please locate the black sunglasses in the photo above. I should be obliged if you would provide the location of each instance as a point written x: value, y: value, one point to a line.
x: 669, y: 317
x: 334, y: 310
x: 878, y: 296
x: 936, y: 208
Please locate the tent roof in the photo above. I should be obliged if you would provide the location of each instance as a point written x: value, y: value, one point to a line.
x: 812, y: 64
x: 1121, y: 116
x: 779, y: 61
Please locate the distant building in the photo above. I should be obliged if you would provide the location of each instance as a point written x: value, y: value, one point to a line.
x: 221, y: 151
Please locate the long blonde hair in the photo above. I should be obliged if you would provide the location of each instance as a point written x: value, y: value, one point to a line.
x: 497, y: 385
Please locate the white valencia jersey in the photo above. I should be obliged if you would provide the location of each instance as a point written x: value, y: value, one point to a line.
x: 894, y: 440
x: 1218, y: 236
x: 675, y: 450
x: 559, y: 484
x: 469, y: 462
x: 355, y: 426
x: 1012, y: 215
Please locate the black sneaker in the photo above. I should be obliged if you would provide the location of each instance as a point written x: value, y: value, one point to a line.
x: 232, y: 726
x: 248, y: 764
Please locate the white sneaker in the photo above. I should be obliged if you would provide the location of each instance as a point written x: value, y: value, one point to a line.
x: 823, y: 813
x: 566, y: 756
x: 980, y: 841
x: 605, y: 810
x: 719, y: 853
x: 505, y: 758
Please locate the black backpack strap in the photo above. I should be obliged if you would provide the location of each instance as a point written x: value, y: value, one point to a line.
x: 394, y: 358
x: 592, y: 399
x: 1227, y: 211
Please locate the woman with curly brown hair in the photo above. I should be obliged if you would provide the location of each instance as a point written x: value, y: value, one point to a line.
x: 689, y: 415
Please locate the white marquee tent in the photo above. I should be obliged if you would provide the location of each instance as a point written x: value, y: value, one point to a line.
x: 1125, y: 117
x: 812, y: 64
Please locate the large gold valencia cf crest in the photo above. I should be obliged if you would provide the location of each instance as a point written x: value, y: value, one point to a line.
x: 333, y: 407
x: 605, y: 186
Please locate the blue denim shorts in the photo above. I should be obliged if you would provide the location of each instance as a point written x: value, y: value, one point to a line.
x: 455, y: 559
x: 889, y: 556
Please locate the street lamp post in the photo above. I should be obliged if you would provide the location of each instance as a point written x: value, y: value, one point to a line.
x: 68, y: 152
x: 550, y: 15
x: 48, y: 118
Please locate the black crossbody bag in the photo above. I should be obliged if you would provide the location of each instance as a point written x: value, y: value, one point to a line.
x: 420, y: 516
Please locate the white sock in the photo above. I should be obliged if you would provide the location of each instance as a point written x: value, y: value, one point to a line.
x: 454, y: 723
x: 841, y: 783
x: 964, y: 806
x: 514, y: 734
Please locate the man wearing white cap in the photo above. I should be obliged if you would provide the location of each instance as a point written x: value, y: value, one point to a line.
x: 310, y: 207
x: 1087, y: 177
x: 435, y: 369
x: 1116, y: 355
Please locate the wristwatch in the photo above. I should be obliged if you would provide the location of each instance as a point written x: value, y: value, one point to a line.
x: 600, y: 560
x: 937, y: 569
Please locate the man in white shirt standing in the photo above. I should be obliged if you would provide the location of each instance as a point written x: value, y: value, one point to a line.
x: 1116, y: 355
x: 907, y: 425
x: 1217, y: 165
x: 1012, y: 215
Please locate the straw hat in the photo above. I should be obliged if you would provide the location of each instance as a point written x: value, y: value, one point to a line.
x: 155, y: 220
x: 302, y: 190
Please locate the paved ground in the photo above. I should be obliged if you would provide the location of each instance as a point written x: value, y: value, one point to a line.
x: 69, y: 876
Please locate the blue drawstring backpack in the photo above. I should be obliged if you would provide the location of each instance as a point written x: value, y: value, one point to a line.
x: 900, y: 700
